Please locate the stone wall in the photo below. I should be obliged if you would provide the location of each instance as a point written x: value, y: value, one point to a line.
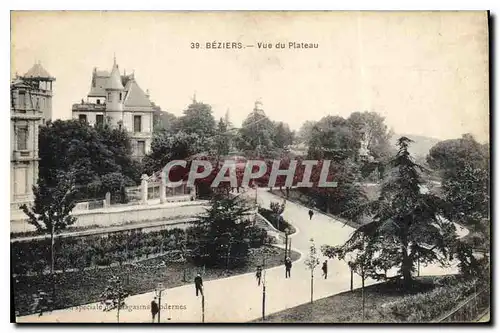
x: 121, y: 215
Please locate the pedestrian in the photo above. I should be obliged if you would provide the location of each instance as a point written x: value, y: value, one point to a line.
x: 258, y: 275
x: 198, y: 283
x: 325, y: 269
x: 311, y: 213
x: 154, y: 309
x: 288, y: 267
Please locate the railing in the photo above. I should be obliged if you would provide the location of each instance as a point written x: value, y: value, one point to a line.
x: 89, y: 205
x: 88, y: 106
x: 469, y: 310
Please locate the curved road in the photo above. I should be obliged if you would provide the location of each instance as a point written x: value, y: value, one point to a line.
x: 238, y: 298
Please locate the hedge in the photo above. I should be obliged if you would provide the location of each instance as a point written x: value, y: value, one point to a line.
x: 33, y: 257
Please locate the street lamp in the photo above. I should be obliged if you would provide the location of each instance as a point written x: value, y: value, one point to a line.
x: 352, y: 273
x: 158, y: 291
x: 287, y: 231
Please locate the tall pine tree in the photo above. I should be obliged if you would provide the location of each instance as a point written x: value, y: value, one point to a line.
x: 407, y: 225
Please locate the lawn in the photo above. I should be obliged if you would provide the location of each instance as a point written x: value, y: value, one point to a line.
x: 83, y: 287
x: 384, y: 303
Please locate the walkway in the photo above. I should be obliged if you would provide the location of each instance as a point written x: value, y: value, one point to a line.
x: 238, y: 298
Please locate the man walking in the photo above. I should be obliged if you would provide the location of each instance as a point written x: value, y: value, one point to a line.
x: 198, y: 283
x: 311, y: 213
x: 325, y: 269
x: 288, y: 267
x: 154, y: 309
x: 258, y: 275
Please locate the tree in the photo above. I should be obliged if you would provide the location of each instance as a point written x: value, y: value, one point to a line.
x: 88, y: 153
x: 333, y: 139
x: 222, y: 138
x: 51, y: 212
x: 167, y: 147
x: 225, y: 230
x: 305, y: 132
x: 114, y: 296
x: 277, y: 210
x: 255, y: 136
x: 347, y: 199
x: 407, y: 225
x: 467, y: 190
x: 464, y: 166
x: 197, y: 119
x: 282, y: 135
x: 312, y: 261
x: 370, y: 126
x: 449, y: 155
x: 164, y: 121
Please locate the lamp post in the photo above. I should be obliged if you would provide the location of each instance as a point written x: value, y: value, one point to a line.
x: 418, y: 266
x: 264, y: 287
x: 287, y: 231
x: 363, y: 292
x: 202, y: 306
x: 352, y: 274
x: 230, y: 242
x: 159, y: 289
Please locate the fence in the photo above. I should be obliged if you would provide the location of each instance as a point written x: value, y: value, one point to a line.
x: 470, y: 309
x: 89, y: 205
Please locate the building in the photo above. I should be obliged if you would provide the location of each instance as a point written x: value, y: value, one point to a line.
x: 31, y: 106
x: 119, y: 101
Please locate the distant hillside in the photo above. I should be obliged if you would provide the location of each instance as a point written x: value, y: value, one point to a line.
x: 421, y: 145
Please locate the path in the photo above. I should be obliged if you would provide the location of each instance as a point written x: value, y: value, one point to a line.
x: 238, y: 298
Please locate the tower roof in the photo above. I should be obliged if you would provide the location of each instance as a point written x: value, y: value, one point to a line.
x: 38, y: 72
x: 114, y: 81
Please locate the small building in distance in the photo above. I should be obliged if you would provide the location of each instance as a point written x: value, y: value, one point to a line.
x: 118, y: 100
x: 30, y: 107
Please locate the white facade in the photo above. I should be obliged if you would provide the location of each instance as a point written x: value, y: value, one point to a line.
x: 31, y: 107
x: 119, y: 101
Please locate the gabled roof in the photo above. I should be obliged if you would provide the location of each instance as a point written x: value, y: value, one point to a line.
x: 38, y: 72
x: 99, y: 79
x: 135, y: 95
x: 114, y: 81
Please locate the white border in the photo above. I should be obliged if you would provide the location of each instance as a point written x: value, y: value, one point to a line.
x: 189, y: 5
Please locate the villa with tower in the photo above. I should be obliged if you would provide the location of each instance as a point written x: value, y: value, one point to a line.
x: 119, y: 101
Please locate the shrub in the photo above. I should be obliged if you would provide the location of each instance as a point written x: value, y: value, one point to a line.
x: 281, y: 225
x: 257, y: 237
x: 425, y: 307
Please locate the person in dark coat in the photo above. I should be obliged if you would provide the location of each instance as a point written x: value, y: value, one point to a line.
x: 258, y: 275
x: 324, y: 268
x: 198, y: 283
x: 288, y: 267
x: 311, y: 213
x: 154, y: 309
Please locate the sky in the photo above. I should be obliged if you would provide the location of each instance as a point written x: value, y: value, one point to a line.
x: 425, y: 72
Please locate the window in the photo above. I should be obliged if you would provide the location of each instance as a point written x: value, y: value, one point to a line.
x: 137, y: 124
x: 109, y: 97
x: 141, y: 148
x: 98, y: 101
x: 99, y: 119
x: 22, y: 138
x: 22, y: 100
x: 21, y: 177
x: 120, y: 97
x: 82, y: 117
